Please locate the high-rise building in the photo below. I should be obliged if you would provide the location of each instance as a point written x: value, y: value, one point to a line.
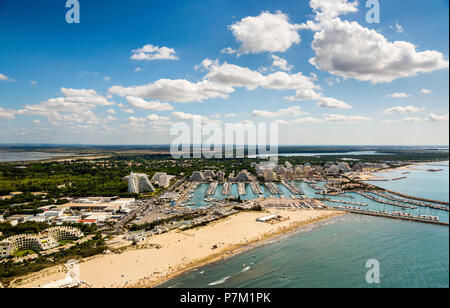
x: 138, y: 183
x: 220, y: 176
x: 162, y: 179
x: 269, y: 175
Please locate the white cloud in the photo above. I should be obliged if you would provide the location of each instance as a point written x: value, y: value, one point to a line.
x: 137, y: 69
x: 328, y: 102
x: 182, y: 116
x: 180, y: 91
x: 349, y: 50
x: 399, y: 95
x: 266, y: 32
x: 293, y: 111
x: 143, y: 104
x: 305, y: 95
x: 6, y: 114
x: 36, y: 122
x: 326, y: 9
x: 412, y: 119
x: 228, y: 51
x: 236, y: 76
x: 76, y: 106
x: 107, y: 78
x: 281, y: 63
x: 434, y: 117
x: 111, y: 111
x: 150, y: 53
x: 425, y: 91
x: 344, y: 118
x: 33, y: 82
x: 230, y: 115
x: 398, y: 28
x: 402, y: 110
x: 309, y: 120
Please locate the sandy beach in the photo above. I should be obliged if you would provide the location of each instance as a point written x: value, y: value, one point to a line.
x: 180, y: 252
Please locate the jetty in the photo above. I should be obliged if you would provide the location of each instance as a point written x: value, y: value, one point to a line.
x: 241, y: 189
x: 396, y: 215
x: 226, y: 190
x: 256, y: 188
x: 212, y: 188
x: 414, y: 202
x: 273, y: 188
x: 345, y: 202
x: 291, y: 187
x: 385, y: 201
x: 416, y: 198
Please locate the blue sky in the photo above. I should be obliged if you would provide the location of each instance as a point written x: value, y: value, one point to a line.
x: 76, y: 83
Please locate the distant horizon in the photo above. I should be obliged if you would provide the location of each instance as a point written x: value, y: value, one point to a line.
x: 168, y: 145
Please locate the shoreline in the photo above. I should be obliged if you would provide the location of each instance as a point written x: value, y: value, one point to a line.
x: 257, y: 244
x: 181, y: 252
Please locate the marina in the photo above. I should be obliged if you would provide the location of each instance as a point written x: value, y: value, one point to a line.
x: 226, y: 189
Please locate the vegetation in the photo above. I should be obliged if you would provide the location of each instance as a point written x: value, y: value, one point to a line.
x: 10, y: 269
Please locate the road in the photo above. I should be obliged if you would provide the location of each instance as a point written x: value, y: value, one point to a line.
x: 146, y: 204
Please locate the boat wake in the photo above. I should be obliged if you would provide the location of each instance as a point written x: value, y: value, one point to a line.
x: 245, y: 269
x: 219, y: 281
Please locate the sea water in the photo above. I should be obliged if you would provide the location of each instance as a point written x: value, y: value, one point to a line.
x: 334, y: 253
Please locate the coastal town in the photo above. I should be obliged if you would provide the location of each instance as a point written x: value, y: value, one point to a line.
x: 272, y: 199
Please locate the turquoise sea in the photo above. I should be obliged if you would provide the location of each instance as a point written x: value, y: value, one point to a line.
x: 334, y: 253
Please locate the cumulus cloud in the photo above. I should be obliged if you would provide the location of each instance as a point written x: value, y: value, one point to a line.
x: 143, y: 104
x: 76, y: 106
x: 425, y: 91
x: 179, y: 91
x: 236, y: 76
x: 151, y: 53
x: 329, y: 102
x: 434, y: 117
x: 293, y: 111
x: 281, y: 63
x: 402, y: 110
x: 399, y: 95
x: 6, y: 114
x: 305, y: 95
x: 266, y: 33
x: 326, y: 9
x: 349, y: 50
